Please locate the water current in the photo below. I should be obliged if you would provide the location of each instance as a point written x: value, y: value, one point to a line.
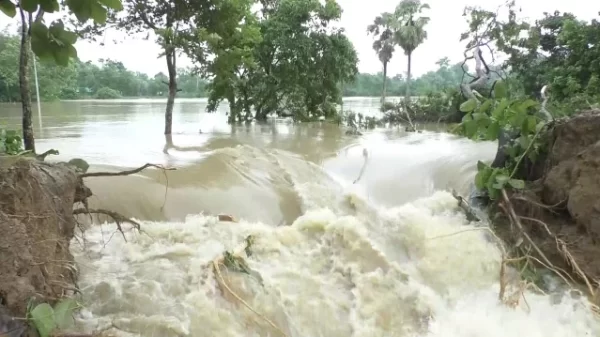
x: 389, y: 255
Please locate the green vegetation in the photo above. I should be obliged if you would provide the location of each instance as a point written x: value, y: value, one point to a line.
x: 53, y: 43
x: 109, y: 79
x: 85, y: 79
x: 484, y: 121
x: 10, y: 142
x: 554, y: 56
x: 48, y: 321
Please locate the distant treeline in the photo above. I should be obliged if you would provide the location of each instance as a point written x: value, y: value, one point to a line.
x: 110, y: 79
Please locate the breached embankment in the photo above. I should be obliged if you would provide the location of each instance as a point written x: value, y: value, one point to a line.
x: 37, y: 226
x: 346, y: 267
x: 560, y: 210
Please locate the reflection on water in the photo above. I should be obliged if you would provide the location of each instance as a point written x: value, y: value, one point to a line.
x: 129, y: 132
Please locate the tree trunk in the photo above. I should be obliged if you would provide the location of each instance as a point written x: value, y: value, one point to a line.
x: 172, y: 68
x: 383, y: 91
x: 28, y: 138
x: 408, y: 78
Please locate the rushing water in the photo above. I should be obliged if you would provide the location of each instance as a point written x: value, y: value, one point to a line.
x: 391, y: 255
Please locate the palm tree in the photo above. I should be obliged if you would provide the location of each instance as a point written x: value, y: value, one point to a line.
x: 384, y: 44
x: 409, y: 31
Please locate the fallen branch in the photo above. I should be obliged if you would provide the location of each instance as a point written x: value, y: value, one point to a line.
x: 118, y: 218
x: 43, y: 156
x: 469, y: 211
x: 125, y: 173
x: 362, y: 170
x: 221, y: 261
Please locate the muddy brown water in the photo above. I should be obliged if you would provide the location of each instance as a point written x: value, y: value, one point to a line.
x: 117, y: 134
x: 391, y: 255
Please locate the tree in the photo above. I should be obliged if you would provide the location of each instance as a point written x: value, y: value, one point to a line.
x: 290, y: 59
x: 409, y: 31
x: 229, y: 32
x: 384, y: 44
x: 169, y: 21
x: 48, y: 43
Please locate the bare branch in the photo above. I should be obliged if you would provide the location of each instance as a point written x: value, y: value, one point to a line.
x: 124, y: 173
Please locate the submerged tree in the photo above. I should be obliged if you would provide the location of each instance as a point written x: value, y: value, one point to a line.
x: 168, y: 20
x: 409, y: 31
x: 289, y: 59
x: 384, y: 44
x: 49, y: 43
x: 227, y: 31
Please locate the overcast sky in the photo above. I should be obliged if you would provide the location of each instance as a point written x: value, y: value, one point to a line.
x: 444, y: 29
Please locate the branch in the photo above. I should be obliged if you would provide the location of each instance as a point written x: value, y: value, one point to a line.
x: 145, y: 19
x: 124, y: 173
x: 118, y: 218
x: 482, y: 71
x: 544, y: 102
x: 43, y: 156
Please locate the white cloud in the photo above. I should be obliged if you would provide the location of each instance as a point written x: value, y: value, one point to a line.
x: 444, y: 29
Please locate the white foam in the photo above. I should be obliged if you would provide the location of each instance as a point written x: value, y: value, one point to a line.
x: 347, y: 267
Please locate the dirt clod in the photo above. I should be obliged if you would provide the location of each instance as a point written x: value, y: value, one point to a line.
x: 565, y: 201
x: 37, y: 225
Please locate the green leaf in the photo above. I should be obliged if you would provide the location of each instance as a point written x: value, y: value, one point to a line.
x: 500, y: 90
x: 61, y: 56
x: 502, y: 178
x: 493, y: 193
x: 529, y: 125
x: 467, y: 117
x: 528, y: 103
x: 98, y: 13
x: 68, y: 37
x: 479, y: 116
x: 56, y: 29
x: 63, y: 313
x: 43, y: 319
x: 468, y: 106
x: 49, y: 6
x: 39, y: 29
x: 72, y: 51
x: 480, y: 180
x: 518, y: 118
x: 498, y: 111
x: 517, y: 184
x: 29, y: 5
x: 81, y: 9
x: 481, y: 165
x: 470, y: 128
x: 8, y: 8
x: 493, y: 131
x: 485, y: 105
x: 524, y: 141
x: 112, y: 4
x: 41, y: 47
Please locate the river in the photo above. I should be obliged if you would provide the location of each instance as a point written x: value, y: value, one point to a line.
x: 391, y: 255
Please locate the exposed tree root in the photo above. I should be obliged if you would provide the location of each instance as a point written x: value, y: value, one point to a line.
x: 515, y: 220
x: 118, y: 218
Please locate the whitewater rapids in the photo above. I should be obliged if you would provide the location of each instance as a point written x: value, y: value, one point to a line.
x: 391, y: 256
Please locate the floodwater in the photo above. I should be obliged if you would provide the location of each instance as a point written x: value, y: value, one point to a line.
x: 389, y: 255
